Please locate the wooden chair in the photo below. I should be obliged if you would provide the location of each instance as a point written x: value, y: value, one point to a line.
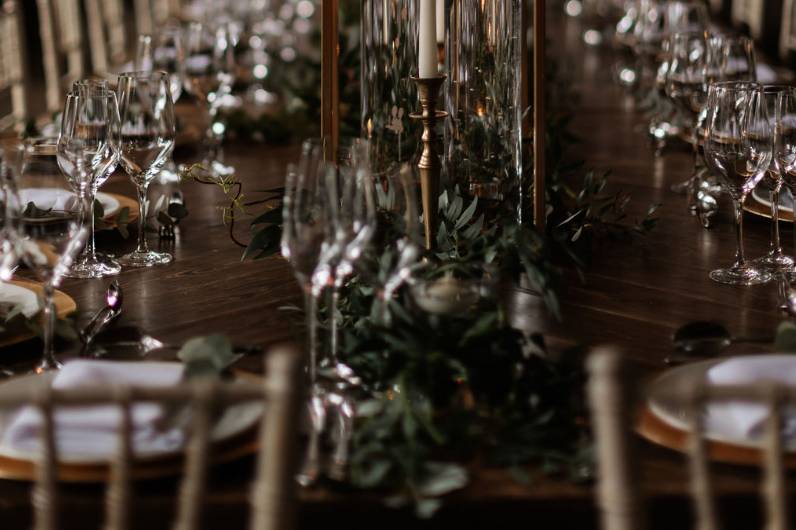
x: 787, y: 34
x: 62, y: 27
x: 749, y: 13
x: 618, y: 495
x: 151, y: 14
x: 14, y: 102
x: 106, y: 30
x: 274, y: 486
x: 61, y: 32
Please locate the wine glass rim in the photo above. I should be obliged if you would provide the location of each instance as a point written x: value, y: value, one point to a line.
x: 777, y: 87
x: 735, y: 85
x: 144, y: 74
x: 100, y: 94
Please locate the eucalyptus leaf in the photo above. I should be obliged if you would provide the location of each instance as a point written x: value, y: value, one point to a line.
x: 785, y: 339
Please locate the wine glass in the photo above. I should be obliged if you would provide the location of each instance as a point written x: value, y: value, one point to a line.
x: 49, y: 223
x: 740, y: 63
x: 686, y: 84
x: 681, y: 16
x: 398, y: 236
x: 146, y: 142
x: 209, y: 75
x: 303, y: 232
x: 785, y: 142
x: 775, y: 259
x: 351, y: 221
x: 91, y: 115
x: 164, y: 51
x: 738, y: 150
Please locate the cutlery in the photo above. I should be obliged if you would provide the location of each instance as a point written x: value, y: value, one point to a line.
x: 103, y: 317
x: 706, y: 207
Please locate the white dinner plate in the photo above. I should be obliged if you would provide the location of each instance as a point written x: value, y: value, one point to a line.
x: 236, y: 420
x: 673, y: 414
x: 58, y: 198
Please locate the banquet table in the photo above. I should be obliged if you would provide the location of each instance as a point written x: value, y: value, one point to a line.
x: 635, y: 294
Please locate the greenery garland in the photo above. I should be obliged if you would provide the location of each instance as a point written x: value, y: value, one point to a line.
x: 438, y: 390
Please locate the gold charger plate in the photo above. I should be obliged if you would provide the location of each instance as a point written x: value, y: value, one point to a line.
x: 13, y: 469
x: 242, y: 444
x: 652, y: 428
x: 124, y: 202
x: 64, y: 305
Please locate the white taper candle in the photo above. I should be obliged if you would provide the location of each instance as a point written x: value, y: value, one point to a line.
x: 440, y: 21
x: 428, y: 39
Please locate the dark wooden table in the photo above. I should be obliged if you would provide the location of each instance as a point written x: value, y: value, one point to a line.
x: 635, y: 295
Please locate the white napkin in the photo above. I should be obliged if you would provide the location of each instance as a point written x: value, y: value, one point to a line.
x: 737, y: 420
x: 83, y: 432
x: 48, y: 198
x: 14, y: 295
x: 60, y: 199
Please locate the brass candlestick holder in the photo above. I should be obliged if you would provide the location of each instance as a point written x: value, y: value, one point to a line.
x: 429, y: 164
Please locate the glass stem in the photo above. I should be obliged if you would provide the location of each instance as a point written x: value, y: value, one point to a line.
x: 48, y: 361
x: 212, y: 139
x: 311, y: 308
x: 334, y: 298
x: 142, y: 212
x: 776, y: 249
x: 90, y: 248
x: 740, y: 261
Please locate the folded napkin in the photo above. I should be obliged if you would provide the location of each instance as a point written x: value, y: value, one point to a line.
x: 13, y: 295
x: 92, y: 431
x: 57, y: 199
x: 743, y: 420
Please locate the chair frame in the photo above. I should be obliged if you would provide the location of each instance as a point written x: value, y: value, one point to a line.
x: 12, y: 64
x: 618, y: 493
x: 274, y: 485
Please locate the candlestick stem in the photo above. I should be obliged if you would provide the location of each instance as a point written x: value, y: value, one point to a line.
x: 429, y: 164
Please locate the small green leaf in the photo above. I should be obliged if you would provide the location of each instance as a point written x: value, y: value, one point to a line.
x: 785, y: 340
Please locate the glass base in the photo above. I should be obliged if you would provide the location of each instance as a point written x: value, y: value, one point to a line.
x: 145, y: 259
x: 778, y: 262
x: 741, y: 276
x: 100, y: 266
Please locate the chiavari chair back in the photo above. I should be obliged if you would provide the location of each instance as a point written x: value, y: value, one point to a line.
x: 621, y: 503
x: 749, y: 13
x: 271, y: 498
x: 106, y: 30
x: 61, y: 33
x: 13, y: 98
x: 787, y: 34
x: 152, y: 14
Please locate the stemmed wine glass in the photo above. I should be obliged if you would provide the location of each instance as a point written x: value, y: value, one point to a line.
x: 303, y: 232
x: 91, y: 116
x: 146, y: 142
x: 50, y: 226
x: 687, y: 79
x: 738, y: 150
x: 209, y: 75
x: 397, y: 236
x: 351, y: 222
x: 681, y: 16
x: 164, y: 51
x: 785, y: 142
x: 775, y: 259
